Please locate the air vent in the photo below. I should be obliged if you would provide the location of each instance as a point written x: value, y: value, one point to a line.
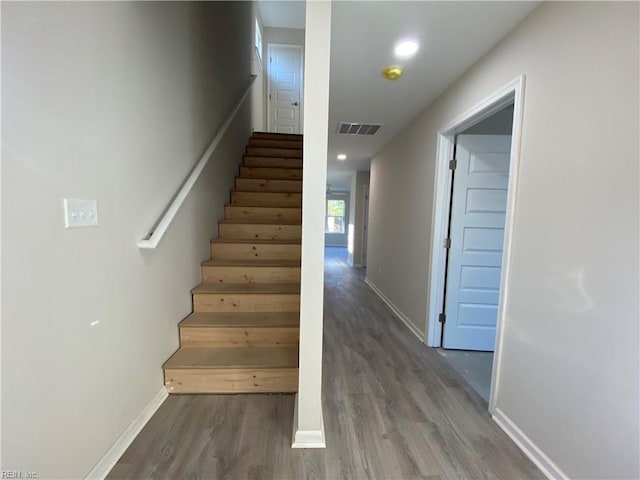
x: 345, y: 128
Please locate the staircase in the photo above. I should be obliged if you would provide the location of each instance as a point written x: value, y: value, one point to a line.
x: 242, y: 336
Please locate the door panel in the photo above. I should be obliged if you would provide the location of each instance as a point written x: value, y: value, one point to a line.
x: 478, y: 211
x: 285, y: 88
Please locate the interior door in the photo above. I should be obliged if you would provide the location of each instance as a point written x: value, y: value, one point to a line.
x: 285, y: 88
x: 478, y: 208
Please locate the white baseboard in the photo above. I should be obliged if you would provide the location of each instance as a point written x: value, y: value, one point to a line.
x: 530, y: 449
x: 307, y: 438
x: 108, y: 461
x: 397, y: 311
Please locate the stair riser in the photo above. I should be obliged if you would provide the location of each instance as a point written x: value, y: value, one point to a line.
x: 260, y: 232
x: 238, y: 337
x: 246, y: 251
x: 268, y: 185
x: 275, y: 143
x: 252, y: 161
x: 271, y: 172
x: 231, y: 380
x: 267, y: 199
x: 264, y: 214
x: 246, y: 302
x: 277, y: 136
x: 244, y: 274
x: 274, y: 152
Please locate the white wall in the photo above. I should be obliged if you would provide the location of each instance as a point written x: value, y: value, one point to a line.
x: 359, y: 180
x: 114, y: 102
x: 569, y: 372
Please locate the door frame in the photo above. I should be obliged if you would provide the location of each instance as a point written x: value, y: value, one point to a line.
x: 301, y: 102
x: 364, y: 243
x: 513, y: 92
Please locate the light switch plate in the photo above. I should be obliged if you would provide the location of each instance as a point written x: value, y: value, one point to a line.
x: 80, y: 213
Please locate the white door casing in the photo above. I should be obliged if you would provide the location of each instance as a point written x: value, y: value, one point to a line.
x: 365, y: 225
x: 478, y: 211
x: 285, y: 88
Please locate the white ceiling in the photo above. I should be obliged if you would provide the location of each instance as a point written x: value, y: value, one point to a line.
x: 453, y: 35
x: 282, y: 14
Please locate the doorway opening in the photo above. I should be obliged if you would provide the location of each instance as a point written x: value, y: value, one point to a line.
x: 284, y: 88
x: 476, y: 179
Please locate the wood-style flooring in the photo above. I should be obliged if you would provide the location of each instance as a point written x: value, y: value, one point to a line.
x: 393, y: 409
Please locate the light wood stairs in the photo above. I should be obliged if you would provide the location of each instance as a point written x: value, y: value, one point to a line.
x: 243, y: 334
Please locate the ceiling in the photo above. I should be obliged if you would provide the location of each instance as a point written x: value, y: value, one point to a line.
x: 452, y: 36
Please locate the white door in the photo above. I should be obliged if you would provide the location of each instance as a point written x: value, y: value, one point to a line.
x: 285, y: 88
x: 365, y: 226
x: 478, y: 207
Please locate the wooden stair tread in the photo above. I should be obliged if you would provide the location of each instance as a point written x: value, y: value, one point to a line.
x: 258, y: 222
x: 266, y: 207
x: 234, y: 357
x: 241, y: 319
x: 265, y: 161
x: 294, y: 153
x: 258, y: 241
x: 224, y: 262
x: 271, y: 167
x: 248, y: 288
x: 272, y: 180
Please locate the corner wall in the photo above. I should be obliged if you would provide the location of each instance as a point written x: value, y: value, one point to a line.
x: 113, y: 101
x: 569, y: 369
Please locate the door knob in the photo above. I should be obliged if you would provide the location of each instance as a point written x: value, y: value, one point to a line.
x: 295, y: 104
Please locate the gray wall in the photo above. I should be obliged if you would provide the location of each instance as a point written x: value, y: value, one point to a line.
x: 569, y: 373
x: 114, y: 102
x: 286, y: 36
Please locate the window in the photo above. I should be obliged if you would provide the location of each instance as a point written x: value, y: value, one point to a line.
x: 335, y: 222
x: 258, y: 40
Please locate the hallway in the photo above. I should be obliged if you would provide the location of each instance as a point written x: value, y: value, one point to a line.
x: 392, y: 409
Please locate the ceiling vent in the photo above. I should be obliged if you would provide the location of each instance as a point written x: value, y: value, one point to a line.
x: 346, y: 128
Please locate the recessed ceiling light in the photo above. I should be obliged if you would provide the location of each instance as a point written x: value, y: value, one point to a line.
x: 342, y: 156
x: 406, y: 48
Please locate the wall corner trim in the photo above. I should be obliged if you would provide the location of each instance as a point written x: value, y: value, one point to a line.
x: 111, y: 457
x: 530, y: 449
x: 415, y: 330
x: 307, y: 438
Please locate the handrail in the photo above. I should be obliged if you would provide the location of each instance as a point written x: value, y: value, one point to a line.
x: 162, y: 224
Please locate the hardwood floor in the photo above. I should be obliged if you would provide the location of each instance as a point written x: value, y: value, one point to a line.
x: 393, y: 409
